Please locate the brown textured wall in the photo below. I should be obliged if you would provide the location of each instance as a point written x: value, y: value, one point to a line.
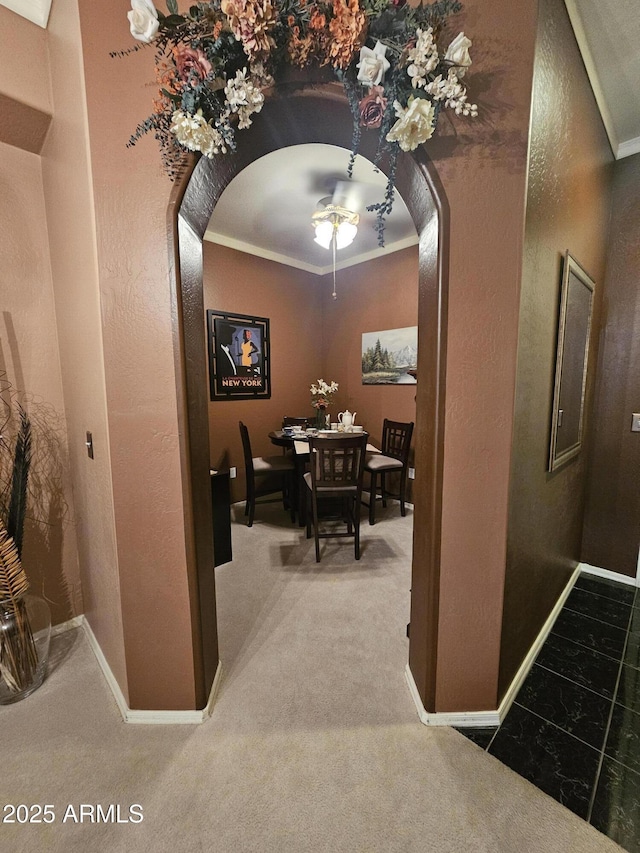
x: 312, y: 337
x: 291, y: 300
x: 381, y: 294
x: 612, y: 519
x: 482, y: 166
x: 567, y: 208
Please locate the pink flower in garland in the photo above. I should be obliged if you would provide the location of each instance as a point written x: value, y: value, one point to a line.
x: 372, y: 108
x: 193, y: 66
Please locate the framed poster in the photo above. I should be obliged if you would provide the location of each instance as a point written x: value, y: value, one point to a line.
x: 572, y: 357
x: 238, y: 356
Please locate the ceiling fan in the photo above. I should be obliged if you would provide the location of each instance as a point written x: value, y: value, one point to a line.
x: 335, y: 219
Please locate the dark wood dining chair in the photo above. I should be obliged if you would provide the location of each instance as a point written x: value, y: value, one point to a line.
x: 394, y: 459
x: 276, y: 471
x: 335, y: 477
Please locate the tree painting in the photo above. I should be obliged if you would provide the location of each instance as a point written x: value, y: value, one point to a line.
x: 388, y: 355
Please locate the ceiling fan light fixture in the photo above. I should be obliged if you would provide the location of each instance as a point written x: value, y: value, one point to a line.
x: 333, y: 220
x: 335, y: 228
x: 345, y: 234
x: 324, y: 233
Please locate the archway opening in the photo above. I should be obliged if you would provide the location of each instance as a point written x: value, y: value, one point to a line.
x: 304, y: 117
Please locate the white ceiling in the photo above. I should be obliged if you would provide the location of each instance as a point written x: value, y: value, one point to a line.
x: 33, y: 10
x: 266, y: 209
x: 608, y: 33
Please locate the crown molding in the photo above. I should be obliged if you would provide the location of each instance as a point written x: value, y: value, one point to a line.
x: 628, y: 148
x: 276, y: 257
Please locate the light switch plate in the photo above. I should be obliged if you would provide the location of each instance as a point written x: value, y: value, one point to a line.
x: 412, y: 473
x: 635, y: 422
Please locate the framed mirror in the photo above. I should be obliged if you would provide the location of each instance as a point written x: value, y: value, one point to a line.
x: 574, y: 330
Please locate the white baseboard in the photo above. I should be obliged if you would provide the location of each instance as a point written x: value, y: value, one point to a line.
x: 118, y: 695
x: 133, y: 716
x: 532, y: 654
x: 481, y: 719
x: 462, y: 718
x: 612, y: 576
x: 69, y: 625
x: 178, y: 717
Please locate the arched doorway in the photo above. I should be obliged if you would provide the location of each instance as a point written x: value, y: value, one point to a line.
x: 304, y: 116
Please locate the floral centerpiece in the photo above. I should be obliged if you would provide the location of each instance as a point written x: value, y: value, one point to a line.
x: 216, y: 62
x: 321, y: 393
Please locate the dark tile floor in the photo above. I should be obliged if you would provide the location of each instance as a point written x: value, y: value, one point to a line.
x: 574, y: 729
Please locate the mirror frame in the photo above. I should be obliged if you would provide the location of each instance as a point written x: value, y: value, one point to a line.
x: 572, y: 357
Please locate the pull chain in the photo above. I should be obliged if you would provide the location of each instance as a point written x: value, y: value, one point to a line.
x: 333, y: 246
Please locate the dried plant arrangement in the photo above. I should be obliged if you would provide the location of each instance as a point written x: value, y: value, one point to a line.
x: 18, y: 655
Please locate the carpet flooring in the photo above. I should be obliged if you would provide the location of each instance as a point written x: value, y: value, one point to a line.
x: 314, y: 743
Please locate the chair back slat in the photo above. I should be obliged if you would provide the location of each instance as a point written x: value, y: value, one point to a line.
x: 337, y: 462
x: 396, y: 439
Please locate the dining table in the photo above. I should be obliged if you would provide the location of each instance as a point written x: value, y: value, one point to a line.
x: 298, y: 442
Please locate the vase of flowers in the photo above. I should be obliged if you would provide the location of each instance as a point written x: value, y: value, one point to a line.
x: 25, y: 632
x: 321, y: 393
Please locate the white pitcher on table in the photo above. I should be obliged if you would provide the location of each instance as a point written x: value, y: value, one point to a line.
x: 347, y: 418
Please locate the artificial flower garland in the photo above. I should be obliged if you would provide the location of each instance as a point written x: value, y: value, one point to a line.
x: 215, y: 62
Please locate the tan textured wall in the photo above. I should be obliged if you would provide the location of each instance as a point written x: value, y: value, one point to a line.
x: 567, y: 208
x: 131, y: 195
x: 24, y: 57
x: 69, y: 205
x: 612, y: 518
x: 482, y: 166
x: 29, y: 355
x: 25, y: 89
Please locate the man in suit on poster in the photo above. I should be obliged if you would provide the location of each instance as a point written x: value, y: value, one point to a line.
x: 225, y: 362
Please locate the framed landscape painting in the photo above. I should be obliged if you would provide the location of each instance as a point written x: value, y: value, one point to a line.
x: 238, y: 356
x: 388, y: 356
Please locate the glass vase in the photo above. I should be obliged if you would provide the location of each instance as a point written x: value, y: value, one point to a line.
x: 321, y: 419
x: 25, y: 632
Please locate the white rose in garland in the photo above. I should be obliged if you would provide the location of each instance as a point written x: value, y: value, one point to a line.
x: 415, y: 123
x: 373, y: 65
x: 143, y: 20
x: 458, y: 53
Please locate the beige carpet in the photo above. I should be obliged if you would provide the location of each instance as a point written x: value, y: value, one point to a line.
x: 314, y: 743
